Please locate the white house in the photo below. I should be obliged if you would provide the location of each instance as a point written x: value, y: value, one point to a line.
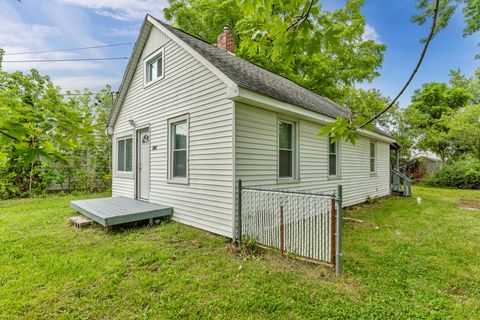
x: 191, y: 119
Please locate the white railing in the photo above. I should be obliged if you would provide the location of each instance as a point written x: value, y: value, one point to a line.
x: 298, y: 223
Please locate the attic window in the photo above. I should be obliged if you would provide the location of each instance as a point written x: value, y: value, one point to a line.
x: 155, y: 66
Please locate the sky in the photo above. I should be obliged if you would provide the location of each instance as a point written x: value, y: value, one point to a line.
x: 42, y: 25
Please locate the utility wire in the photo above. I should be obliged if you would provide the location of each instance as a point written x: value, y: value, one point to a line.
x: 72, y: 49
x: 86, y: 94
x: 62, y: 60
x: 433, y: 27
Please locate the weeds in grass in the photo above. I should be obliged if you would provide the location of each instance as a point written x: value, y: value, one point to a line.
x: 422, y: 263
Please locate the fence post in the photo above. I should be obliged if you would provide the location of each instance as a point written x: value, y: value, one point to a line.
x: 239, y: 220
x: 332, y: 235
x: 282, y: 232
x: 338, y: 233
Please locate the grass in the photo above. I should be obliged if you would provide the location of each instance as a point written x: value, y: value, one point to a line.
x: 405, y: 261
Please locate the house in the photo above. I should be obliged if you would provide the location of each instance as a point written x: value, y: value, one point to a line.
x: 191, y: 119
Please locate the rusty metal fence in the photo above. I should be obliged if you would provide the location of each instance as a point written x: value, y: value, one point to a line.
x: 299, y: 223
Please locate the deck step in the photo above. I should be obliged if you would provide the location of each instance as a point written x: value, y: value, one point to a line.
x: 118, y: 210
x: 80, y: 221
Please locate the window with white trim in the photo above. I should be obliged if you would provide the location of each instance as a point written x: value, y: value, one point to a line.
x: 286, y: 149
x: 155, y: 66
x: 373, y: 156
x: 178, y: 148
x: 124, y: 154
x: 333, y: 157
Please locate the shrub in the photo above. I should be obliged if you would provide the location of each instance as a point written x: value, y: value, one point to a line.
x: 462, y: 174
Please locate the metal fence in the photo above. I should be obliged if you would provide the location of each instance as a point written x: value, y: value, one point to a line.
x: 299, y: 223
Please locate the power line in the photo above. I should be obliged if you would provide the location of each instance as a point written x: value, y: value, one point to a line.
x: 63, y: 60
x: 86, y: 93
x: 71, y: 49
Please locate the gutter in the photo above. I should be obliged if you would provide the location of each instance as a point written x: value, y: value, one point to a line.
x: 256, y: 99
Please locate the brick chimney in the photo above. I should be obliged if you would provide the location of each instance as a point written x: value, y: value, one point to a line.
x: 225, y: 40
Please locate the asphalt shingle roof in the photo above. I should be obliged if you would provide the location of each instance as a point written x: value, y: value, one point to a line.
x: 250, y: 76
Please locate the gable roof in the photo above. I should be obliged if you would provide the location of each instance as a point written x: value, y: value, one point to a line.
x: 253, y: 77
x: 235, y: 70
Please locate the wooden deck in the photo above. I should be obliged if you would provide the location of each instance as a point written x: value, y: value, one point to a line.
x: 118, y: 210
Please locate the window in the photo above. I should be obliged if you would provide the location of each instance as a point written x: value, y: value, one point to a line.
x: 154, y: 66
x: 124, y: 154
x: 373, y: 154
x: 333, y: 158
x: 286, y: 150
x: 179, y: 148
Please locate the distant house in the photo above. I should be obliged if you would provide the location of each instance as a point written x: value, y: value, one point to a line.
x: 191, y: 119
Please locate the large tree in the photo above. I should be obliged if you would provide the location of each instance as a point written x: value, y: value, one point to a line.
x: 35, y: 124
x: 427, y: 117
x: 465, y: 130
x: 322, y: 50
x: 47, y: 137
x: 471, y: 84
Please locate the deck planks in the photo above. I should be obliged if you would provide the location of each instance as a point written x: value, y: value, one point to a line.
x: 117, y: 210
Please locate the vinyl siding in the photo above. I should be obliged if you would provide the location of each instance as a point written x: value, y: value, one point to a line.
x: 188, y: 87
x: 256, y: 158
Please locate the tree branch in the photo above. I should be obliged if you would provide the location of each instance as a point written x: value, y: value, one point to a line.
x: 302, y: 18
x: 412, y: 75
x: 7, y: 135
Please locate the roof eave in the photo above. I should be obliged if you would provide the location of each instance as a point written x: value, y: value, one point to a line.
x: 259, y: 100
x: 128, y: 74
x: 148, y: 23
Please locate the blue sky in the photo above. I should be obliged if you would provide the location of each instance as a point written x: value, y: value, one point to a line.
x: 34, y: 25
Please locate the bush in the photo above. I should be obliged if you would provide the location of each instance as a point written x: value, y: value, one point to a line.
x: 462, y: 174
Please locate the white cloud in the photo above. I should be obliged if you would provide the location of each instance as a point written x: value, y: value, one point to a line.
x: 32, y: 37
x: 125, y: 10
x: 24, y: 33
x: 60, y: 26
x: 371, y: 34
x: 121, y: 32
x: 94, y: 83
x: 65, y: 28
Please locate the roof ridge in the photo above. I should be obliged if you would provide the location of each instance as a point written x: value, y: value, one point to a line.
x: 334, y: 104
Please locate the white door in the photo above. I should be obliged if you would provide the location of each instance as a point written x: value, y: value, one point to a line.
x: 143, y: 163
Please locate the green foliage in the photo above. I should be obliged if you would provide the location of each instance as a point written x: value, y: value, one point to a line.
x: 427, y: 118
x: 36, y: 124
x: 320, y: 50
x: 462, y: 174
x: 444, y: 119
x: 464, y: 131
x: 447, y: 8
x: 472, y: 84
x: 45, y: 138
x: 89, y: 166
x: 204, y: 18
x: 440, y: 13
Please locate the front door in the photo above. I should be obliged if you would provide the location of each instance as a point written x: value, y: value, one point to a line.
x: 143, y: 163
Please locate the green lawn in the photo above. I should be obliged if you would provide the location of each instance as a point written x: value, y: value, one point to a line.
x: 405, y: 261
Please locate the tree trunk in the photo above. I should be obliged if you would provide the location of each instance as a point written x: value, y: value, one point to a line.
x: 30, y: 183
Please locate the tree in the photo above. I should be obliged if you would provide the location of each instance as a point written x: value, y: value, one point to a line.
x: 427, y: 117
x: 36, y: 120
x: 89, y: 165
x: 204, y: 18
x: 320, y: 50
x: 472, y: 84
x: 465, y: 130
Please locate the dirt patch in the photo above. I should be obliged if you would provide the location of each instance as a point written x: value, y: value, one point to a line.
x: 469, y: 204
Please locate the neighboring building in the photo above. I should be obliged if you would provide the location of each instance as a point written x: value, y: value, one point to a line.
x: 191, y: 119
x: 422, y: 165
